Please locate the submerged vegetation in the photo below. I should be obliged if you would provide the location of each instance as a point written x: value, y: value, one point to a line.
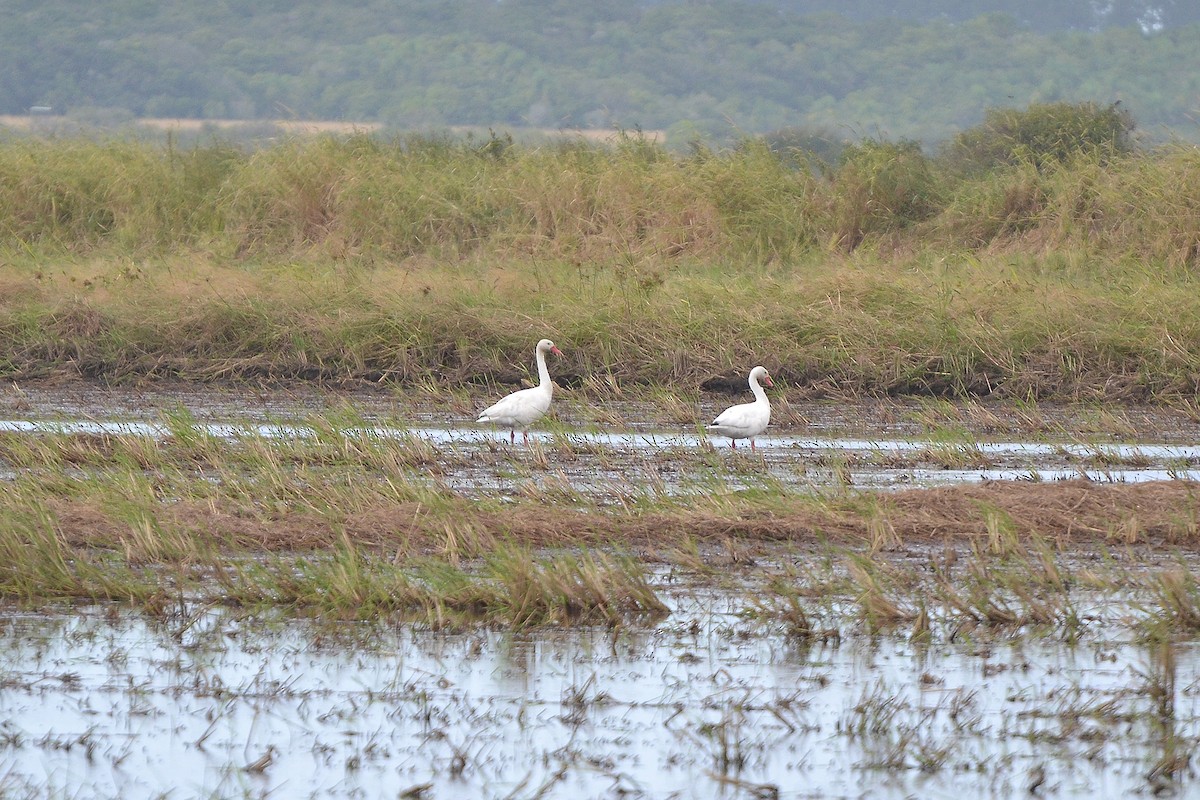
x: 1010, y: 264
x: 226, y: 524
x: 335, y: 516
x: 1014, y: 264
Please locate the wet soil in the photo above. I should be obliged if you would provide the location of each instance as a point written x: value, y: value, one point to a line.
x: 880, y: 418
x: 722, y: 698
x: 937, y: 470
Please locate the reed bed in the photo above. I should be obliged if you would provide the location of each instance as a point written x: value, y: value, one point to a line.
x: 434, y: 265
x: 436, y: 262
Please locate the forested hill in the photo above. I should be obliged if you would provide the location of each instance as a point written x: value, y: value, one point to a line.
x: 1150, y: 15
x: 921, y: 70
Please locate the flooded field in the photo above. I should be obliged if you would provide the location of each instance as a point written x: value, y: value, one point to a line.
x: 618, y: 448
x: 996, y: 666
x: 707, y: 703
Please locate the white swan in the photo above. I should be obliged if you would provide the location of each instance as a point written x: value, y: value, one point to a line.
x: 747, y: 420
x: 522, y: 409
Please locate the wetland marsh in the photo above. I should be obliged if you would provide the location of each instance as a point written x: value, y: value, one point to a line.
x: 960, y: 562
x: 709, y: 703
x: 248, y: 603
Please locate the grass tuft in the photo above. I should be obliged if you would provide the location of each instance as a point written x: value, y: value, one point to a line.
x: 434, y: 263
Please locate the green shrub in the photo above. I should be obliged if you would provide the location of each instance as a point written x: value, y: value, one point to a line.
x: 995, y: 207
x: 1043, y: 134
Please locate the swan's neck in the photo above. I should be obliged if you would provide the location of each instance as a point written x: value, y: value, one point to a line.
x: 760, y: 394
x: 543, y: 373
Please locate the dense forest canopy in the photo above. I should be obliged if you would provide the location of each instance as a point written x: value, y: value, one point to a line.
x: 923, y: 69
x: 1149, y: 15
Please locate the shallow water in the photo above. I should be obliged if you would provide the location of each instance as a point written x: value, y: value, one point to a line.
x: 707, y: 703
x: 704, y: 704
x: 865, y: 445
x: 863, y: 463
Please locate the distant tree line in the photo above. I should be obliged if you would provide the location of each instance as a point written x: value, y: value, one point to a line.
x: 1148, y: 15
x: 921, y: 70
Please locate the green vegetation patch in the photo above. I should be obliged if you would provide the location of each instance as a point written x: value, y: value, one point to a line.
x: 1064, y: 272
x: 328, y: 517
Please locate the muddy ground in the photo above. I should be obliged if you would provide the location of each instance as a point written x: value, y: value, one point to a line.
x: 836, y: 417
x: 934, y: 470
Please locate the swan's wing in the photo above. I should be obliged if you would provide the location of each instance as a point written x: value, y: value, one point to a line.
x: 518, y: 408
x: 747, y: 419
x: 734, y: 416
x: 502, y: 408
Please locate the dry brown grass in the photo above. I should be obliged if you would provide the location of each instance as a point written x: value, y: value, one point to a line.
x: 1155, y: 514
x: 357, y: 260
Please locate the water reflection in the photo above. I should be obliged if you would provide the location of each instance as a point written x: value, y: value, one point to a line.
x: 861, y: 463
x: 623, y: 439
x: 704, y: 704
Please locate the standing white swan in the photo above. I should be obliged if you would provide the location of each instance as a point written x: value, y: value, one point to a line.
x: 522, y: 409
x: 747, y: 420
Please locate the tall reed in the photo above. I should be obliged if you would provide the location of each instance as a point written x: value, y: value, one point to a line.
x: 435, y: 260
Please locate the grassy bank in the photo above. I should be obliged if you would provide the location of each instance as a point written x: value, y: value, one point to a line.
x: 429, y: 261
x: 334, y: 520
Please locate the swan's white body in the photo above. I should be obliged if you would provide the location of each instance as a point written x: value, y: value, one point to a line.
x: 522, y: 409
x: 747, y: 420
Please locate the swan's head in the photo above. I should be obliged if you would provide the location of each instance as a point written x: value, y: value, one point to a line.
x: 547, y: 345
x: 760, y: 375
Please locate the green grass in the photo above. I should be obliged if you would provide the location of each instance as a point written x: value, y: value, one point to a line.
x: 858, y: 327
x: 511, y: 586
x: 332, y: 520
x: 335, y: 518
x: 439, y: 263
